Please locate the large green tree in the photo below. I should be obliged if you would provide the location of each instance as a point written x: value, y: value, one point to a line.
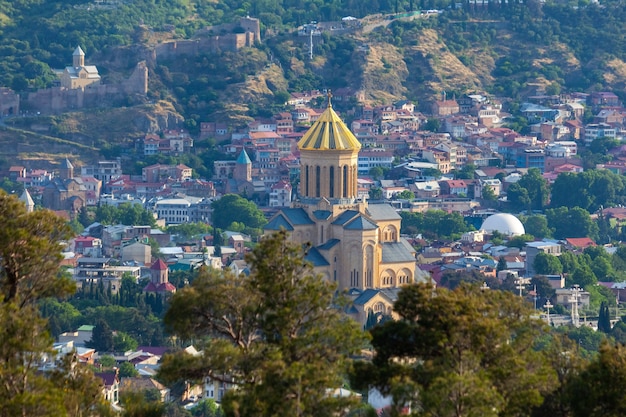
x: 233, y: 208
x: 276, y: 334
x: 535, y: 195
x: 30, y: 254
x: 571, y: 222
x: 598, y: 391
x: 466, y: 352
x: 547, y: 264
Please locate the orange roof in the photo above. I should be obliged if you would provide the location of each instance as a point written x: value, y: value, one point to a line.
x: 580, y: 242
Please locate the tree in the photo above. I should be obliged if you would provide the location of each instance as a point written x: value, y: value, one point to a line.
x: 432, y: 125
x: 537, y: 188
x: 30, y: 254
x: 128, y: 370
x: 547, y: 264
x: 206, y: 408
x: 376, y: 193
x: 501, y: 264
x: 107, y: 361
x: 274, y: 333
x: 574, y: 222
x: 406, y: 195
x: 597, y: 390
x: 376, y: 173
x: 102, y: 337
x: 122, y: 342
x: 604, y: 318
x: 233, y: 208
x: 462, y: 352
x: 518, y: 197
x: 83, y: 389
x: 537, y: 226
x: 488, y: 194
x: 519, y: 241
x: 25, y: 278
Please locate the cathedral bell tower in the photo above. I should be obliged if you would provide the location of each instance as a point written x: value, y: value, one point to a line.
x: 329, y: 155
x: 78, y: 58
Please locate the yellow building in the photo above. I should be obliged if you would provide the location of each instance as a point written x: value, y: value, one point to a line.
x: 355, y: 244
x: 79, y: 75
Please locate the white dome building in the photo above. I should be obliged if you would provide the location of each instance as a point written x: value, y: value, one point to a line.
x: 505, y: 223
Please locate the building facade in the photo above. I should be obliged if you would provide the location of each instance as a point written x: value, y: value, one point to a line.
x: 355, y: 244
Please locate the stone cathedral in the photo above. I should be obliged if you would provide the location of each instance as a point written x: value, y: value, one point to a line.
x: 355, y: 244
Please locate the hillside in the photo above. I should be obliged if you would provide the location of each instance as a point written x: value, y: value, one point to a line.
x: 511, y: 52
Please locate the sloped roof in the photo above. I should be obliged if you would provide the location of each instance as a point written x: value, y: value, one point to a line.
x: 277, y: 223
x: 297, y: 216
x: 322, y: 214
x: 244, y: 158
x: 159, y: 265
x: 382, y: 212
x: 346, y: 216
x: 164, y: 287
x: 365, y: 296
x: 316, y: 258
x: 396, y: 252
x: 328, y: 244
x: 360, y: 223
x: 329, y: 132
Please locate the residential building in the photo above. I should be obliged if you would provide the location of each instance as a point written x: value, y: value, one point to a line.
x: 374, y: 157
x: 445, y: 107
x: 280, y: 196
x: 104, y: 171
x: 533, y: 248
x: 599, y: 130
x: 93, y: 271
x: 158, y: 172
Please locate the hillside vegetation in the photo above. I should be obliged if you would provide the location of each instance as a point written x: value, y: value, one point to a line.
x: 509, y: 50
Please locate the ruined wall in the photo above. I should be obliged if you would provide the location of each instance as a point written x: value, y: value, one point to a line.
x: 9, y: 102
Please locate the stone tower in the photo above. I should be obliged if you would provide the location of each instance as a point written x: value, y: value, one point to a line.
x: 329, y: 157
x: 78, y: 58
x: 28, y: 201
x: 66, y: 170
x: 243, y: 167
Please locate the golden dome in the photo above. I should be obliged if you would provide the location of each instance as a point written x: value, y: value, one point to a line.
x: 329, y: 132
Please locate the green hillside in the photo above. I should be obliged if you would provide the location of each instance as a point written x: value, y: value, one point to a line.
x: 509, y: 50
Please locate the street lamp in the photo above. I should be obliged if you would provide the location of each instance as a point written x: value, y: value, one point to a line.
x: 548, y: 305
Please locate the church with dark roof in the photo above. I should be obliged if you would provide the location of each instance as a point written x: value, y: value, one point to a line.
x: 355, y: 244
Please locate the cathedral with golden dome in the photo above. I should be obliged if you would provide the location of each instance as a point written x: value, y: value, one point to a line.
x: 353, y: 243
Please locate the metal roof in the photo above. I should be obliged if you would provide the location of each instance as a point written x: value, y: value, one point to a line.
x: 329, y: 132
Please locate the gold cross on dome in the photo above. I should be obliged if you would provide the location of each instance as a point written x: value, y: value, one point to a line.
x: 329, y: 94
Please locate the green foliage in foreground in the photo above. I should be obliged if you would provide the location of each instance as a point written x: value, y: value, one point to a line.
x: 273, y: 334
x: 30, y: 254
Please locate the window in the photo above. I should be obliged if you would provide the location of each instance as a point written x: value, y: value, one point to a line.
x: 317, y: 181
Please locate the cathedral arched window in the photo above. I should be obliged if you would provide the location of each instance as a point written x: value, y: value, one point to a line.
x: 317, y: 181
x: 332, y: 181
x: 345, y: 181
x: 306, y: 181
